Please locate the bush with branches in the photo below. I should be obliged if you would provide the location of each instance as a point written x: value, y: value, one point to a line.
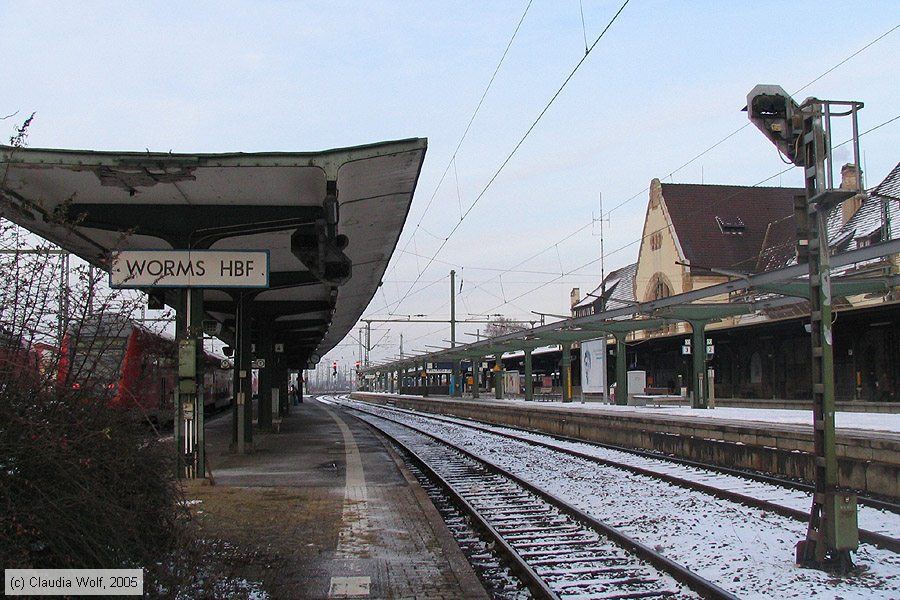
x: 83, y: 484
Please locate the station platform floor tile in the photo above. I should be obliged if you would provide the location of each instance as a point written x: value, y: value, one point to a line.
x: 336, y: 505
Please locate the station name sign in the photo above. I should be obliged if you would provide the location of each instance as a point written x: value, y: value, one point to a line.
x: 189, y: 268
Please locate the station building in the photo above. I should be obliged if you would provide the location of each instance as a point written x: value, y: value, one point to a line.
x: 697, y: 236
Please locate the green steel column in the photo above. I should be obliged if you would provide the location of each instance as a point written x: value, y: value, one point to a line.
x: 424, y: 379
x: 455, y: 383
x: 498, y: 376
x: 196, y: 296
x: 698, y: 354
x: 264, y: 407
x: 243, y: 407
x: 823, y: 388
x: 476, y: 376
x: 301, y: 383
x: 829, y: 532
x: 181, y: 321
x: 621, y: 370
x: 566, y: 372
x: 280, y: 381
x: 189, y: 427
x: 529, y: 384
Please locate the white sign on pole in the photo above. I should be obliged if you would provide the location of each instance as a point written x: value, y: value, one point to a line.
x: 593, y: 366
x: 189, y: 268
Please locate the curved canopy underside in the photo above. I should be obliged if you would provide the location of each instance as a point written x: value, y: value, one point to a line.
x: 94, y: 203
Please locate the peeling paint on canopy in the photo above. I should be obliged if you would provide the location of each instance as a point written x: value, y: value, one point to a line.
x: 91, y: 203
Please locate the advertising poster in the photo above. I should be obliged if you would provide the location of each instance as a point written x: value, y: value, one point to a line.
x: 593, y: 367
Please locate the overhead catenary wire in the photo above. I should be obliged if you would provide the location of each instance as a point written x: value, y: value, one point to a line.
x: 745, y: 125
x: 557, y: 278
x: 409, y: 293
x: 518, y: 145
x: 643, y: 237
x: 452, y: 161
x: 718, y: 143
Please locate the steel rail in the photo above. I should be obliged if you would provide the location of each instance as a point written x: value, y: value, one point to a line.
x: 753, y: 475
x: 517, y: 564
x: 878, y: 539
x: 704, y: 587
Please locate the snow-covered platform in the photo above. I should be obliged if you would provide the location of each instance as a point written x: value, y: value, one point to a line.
x: 330, y: 511
x: 774, y: 441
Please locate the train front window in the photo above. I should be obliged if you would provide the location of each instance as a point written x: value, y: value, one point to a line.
x: 98, y: 361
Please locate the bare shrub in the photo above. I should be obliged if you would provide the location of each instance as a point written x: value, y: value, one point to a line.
x: 83, y: 484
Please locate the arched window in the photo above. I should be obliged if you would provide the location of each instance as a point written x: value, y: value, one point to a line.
x: 659, y: 288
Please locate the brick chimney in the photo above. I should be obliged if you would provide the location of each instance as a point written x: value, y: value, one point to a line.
x: 849, y: 182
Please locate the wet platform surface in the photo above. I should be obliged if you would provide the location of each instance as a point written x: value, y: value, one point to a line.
x: 356, y: 523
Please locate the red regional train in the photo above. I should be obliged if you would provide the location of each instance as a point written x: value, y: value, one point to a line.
x: 132, y: 367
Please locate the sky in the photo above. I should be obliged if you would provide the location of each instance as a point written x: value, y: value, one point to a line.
x: 511, y: 202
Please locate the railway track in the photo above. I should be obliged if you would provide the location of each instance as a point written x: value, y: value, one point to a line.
x: 744, y: 547
x: 738, y: 488
x: 557, y: 549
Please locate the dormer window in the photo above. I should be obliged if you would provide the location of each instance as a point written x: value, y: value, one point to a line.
x: 868, y: 240
x: 731, y: 225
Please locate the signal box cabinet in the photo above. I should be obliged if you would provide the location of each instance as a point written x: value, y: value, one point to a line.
x: 843, y: 530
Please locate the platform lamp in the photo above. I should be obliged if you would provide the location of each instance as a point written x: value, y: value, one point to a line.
x: 800, y: 132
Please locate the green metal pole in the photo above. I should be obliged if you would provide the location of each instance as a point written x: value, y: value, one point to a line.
x: 243, y: 409
x: 181, y: 322
x: 498, y: 377
x: 529, y: 384
x: 196, y: 296
x: 828, y: 406
x: 621, y: 370
x: 455, y: 384
x: 698, y: 354
x: 265, y: 410
x: 566, y: 372
x: 832, y: 543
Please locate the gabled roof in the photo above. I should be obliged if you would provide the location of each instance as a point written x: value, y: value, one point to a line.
x: 778, y: 248
x: 779, y: 252
x: 868, y: 218
x: 723, y: 226
x: 618, y: 286
x: 890, y: 187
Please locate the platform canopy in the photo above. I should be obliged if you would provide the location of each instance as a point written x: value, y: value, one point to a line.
x: 296, y: 206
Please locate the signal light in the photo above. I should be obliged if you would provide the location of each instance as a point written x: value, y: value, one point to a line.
x: 775, y: 113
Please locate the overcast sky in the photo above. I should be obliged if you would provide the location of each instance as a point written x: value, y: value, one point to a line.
x: 663, y: 85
